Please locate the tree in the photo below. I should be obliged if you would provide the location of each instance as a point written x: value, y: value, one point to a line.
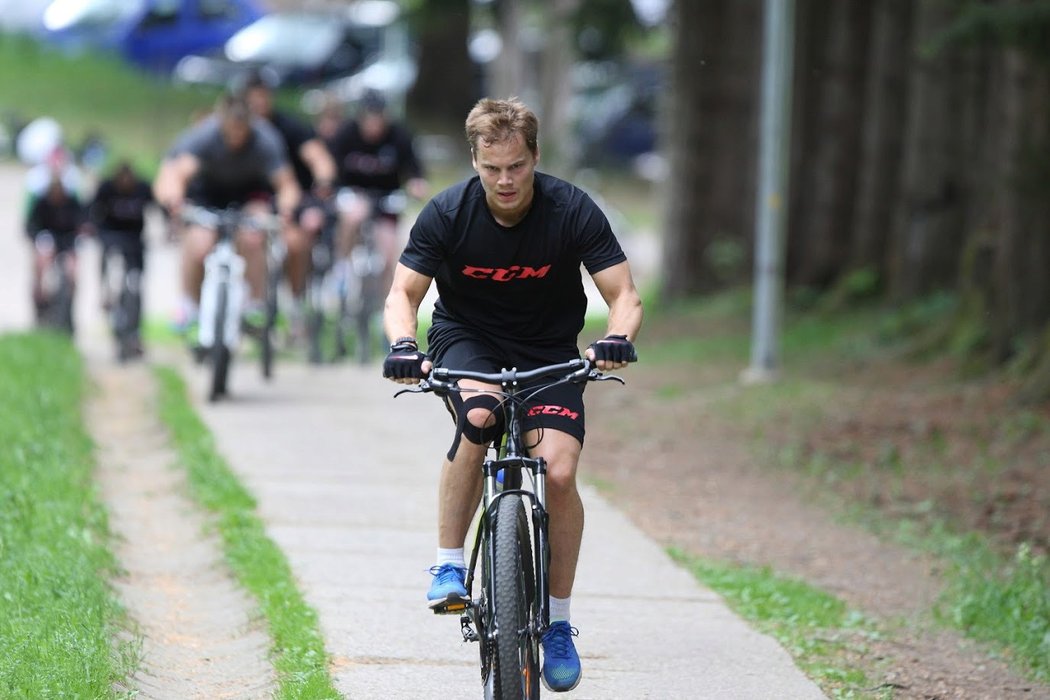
x: 711, y: 142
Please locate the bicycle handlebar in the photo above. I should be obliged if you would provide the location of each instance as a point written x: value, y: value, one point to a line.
x: 229, y: 217
x: 443, y: 379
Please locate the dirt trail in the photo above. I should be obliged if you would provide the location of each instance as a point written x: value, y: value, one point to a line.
x: 199, y: 639
x: 709, y: 495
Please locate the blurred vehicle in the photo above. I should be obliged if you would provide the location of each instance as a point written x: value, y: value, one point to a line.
x: 615, y: 108
x: 22, y: 16
x: 308, y: 49
x: 153, y: 34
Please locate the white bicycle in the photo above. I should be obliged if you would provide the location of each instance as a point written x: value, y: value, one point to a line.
x: 224, y: 290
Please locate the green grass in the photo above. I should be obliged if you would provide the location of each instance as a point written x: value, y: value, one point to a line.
x: 259, y: 565
x: 816, y: 628
x: 58, y: 616
x: 138, y: 115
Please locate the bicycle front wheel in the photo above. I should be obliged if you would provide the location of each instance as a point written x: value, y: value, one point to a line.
x: 515, y: 651
x: 220, y: 353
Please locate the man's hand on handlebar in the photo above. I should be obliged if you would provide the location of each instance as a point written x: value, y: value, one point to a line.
x: 611, y: 352
x: 406, y: 364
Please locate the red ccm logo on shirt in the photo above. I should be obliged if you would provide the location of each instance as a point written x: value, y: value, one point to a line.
x: 506, y: 274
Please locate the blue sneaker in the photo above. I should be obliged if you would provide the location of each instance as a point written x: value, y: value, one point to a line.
x: 447, y: 590
x: 561, y: 663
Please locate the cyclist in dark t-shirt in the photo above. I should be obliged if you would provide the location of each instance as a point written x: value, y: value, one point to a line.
x: 54, y: 222
x: 375, y: 157
x: 505, y: 248
x: 315, y: 171
x: 228, y: 159
x: 118, y: 212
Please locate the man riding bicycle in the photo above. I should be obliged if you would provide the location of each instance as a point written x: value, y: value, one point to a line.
x: 229, y: 159
x: 505, y: 248
x: 118, y: 212
x: 55, y: 220
x: 315, y: 172
x: 375, y: 156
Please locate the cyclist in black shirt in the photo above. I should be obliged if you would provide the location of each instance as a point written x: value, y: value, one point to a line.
x: 118, y: 212
x: 227, y: 159
x: 505, y: 248
x: 375, y: 156
x: 55, y: 219
x: 314, y: 169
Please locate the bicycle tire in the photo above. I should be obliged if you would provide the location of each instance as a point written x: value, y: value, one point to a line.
x: 220, y: 353
x: 516, y: 653
x: 266, y: 340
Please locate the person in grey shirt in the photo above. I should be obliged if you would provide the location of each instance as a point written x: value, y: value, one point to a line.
x: 228, y: 159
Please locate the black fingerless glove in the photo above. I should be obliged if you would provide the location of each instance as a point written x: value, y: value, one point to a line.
x: 614, y: 348
x: 405, y: 361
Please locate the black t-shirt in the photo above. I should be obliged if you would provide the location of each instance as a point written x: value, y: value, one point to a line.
x: 60, y: 218
x: 381, y: 165
x: 117, y: 210
x: 519, y: 284
x: 295, y: 133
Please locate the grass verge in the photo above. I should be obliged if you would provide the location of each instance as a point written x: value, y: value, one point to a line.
x: 816, y: 628
x: 259, y: 565
x: 58, y: 616
x: 993, y: 594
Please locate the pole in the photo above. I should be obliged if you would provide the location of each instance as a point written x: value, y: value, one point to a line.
x: 771, y: 201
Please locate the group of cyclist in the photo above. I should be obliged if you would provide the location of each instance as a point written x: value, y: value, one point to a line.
x: 58, y: 213
x: 249, y: 155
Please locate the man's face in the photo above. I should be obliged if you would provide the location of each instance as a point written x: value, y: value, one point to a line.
x: 506, y: 169
x: 260, y: 101
x: 373, y: 126
x: 235, y: 132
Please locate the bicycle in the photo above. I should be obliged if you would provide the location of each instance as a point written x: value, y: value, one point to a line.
x: 54, y: 309
x: 319, y: 282
x: 361, y: 276
x: 223, y: 292
x: 510, y: 616
x: 122, y: 299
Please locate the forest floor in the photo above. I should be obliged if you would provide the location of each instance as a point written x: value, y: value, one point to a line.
x: 821, y: 476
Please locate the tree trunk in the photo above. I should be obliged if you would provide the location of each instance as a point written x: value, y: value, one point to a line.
x: 711, y: 143
x: 508, y: 73
x: 881, y: 146
x: 556, y: 85
x: 929, y: 226
x: 443, y: 52
x: 824, y: 194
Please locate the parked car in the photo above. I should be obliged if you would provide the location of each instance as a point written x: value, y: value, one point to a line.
x: 153, y: 34
x: 304, y: 49
x: 615, y: 109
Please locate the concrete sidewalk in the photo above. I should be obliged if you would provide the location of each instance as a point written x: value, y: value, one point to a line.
x: 346, y: 480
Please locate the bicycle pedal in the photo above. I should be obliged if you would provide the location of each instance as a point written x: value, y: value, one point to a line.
x: 450, y: 606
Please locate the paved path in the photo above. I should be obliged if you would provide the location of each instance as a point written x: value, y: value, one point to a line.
x: 346, y: 480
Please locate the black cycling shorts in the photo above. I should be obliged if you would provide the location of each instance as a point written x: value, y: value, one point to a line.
x: 556, y: 408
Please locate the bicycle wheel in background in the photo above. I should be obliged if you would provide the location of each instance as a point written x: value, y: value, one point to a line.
x: 220, y: 353
x: 314, y: 320
x: 266, y: 347
x: 516, y: 653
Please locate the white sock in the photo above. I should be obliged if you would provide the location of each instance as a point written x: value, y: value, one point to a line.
x: 188, y: 307
x: 451, y: 556
x: 559, y: 608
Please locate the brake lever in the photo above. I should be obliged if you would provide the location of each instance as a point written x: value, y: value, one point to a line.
x: 597, y: 376
x: 421, y: 388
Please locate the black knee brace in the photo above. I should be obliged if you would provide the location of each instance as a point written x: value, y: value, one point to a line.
x: 466, y: 429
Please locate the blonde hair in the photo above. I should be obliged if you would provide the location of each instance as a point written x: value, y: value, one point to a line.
x: 492, y: 121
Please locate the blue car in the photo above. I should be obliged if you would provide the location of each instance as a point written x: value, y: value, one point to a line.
x: 152, y: 34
